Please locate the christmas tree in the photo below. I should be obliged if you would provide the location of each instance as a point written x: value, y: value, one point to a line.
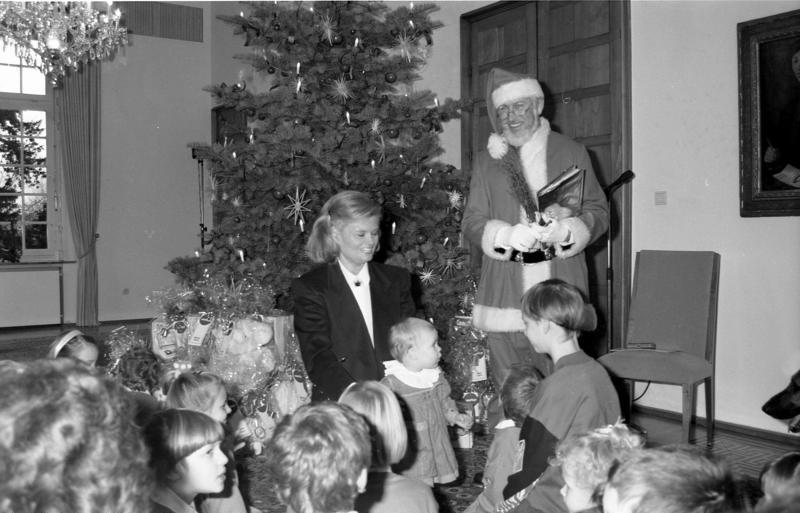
x: 340, y: 113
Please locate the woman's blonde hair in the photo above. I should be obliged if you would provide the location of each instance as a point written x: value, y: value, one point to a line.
x: 342, y: 207
x: 379, y: 406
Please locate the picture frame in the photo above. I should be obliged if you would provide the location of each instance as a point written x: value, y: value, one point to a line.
x: 769, y: 115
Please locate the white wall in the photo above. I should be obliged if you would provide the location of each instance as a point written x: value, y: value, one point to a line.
x: 686, y: 142
x: 152, y: 107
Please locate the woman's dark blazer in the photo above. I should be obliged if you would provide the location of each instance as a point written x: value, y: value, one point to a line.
x: 331, y: 331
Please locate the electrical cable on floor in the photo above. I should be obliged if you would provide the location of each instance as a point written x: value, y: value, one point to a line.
x: 643, y: 392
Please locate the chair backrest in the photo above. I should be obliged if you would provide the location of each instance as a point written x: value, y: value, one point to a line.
x: 674, y: 301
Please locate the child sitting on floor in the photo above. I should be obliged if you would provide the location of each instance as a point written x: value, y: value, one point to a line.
x: 74, y: 344
x: 386, y: 491
x: 780, y: 482
x: 504, y: 455
x: 318, y: 458
x: 671, y: 480
x: 205, y: 392
x: 586, y: 459
x: 185, y: 458
x: 415, y: 376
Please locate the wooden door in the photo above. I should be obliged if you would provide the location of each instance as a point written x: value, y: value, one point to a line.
x: 579, y: 51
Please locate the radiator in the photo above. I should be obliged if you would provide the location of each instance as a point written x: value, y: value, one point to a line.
x: 31, y: 295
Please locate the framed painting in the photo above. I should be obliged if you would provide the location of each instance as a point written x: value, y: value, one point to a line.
x: 769, y: 116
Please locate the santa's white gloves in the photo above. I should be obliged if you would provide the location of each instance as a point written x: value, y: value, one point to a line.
x: 555, y: 232
x: 520, y: 237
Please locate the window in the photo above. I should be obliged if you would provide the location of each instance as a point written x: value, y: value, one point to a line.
x: 30, y: 223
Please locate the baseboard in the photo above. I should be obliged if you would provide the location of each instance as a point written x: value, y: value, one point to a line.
x: 729, y: 427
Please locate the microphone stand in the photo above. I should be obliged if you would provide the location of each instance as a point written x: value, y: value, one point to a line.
x: 201, y: 192
x: 621, y: 180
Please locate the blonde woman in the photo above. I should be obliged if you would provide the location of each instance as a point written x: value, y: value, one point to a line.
x: 345, y: 306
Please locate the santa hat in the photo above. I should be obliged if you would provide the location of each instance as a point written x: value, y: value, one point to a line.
x: 504, y: 86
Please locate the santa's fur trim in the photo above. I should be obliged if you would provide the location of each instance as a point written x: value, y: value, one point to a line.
x: 511, y: 91
x: 487, y: 240
x: 535, y: 273
x: 497, y: 146
x: 580, y: 237
x: 498, y: 320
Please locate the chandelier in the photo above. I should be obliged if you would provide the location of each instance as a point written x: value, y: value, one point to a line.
x: 56, y: 36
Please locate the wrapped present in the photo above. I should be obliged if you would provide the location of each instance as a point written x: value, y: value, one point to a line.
x: 243, y: 354
x: 183, y: 340
x: 289, y: 393
x: 283, y: 326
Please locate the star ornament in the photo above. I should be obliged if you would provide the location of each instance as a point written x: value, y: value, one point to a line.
x: 375, y: 126
x: 327, y: 29
x: 451, y: 265
x: 455, y: 198
x: 341, y: 90
x: 427, y: 277
x: 297, y: 206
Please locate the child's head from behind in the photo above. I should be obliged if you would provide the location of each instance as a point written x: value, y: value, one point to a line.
x: 185, y: 451
x: 554, y: 306
x: 780, y: 479
x: 585, y: 460
x: 381, y: 409
x: 74, y: 344
x: 670, y: 480
x: 318, y: 458
x: 203, y: 392
x: 517, y: 392
x: 62, y: 426
x: 415, y: 343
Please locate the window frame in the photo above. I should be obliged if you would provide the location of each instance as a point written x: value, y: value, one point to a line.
x: 22, y: 102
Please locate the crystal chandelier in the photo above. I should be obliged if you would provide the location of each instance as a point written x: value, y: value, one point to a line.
x: 56, y: 36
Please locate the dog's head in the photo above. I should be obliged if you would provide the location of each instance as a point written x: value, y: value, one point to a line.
x: 785, y: 405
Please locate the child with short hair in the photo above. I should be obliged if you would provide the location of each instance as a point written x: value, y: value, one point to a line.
x: 386, y: 491
x: 780, y: 481
x: 185, y: 458
x: 577, y: 397
x: 585, y: 460
x: 205, y: 392
x: 671, y: 480
x: 505, y: 454
x: 318, y: 458
x: 68, y: 443
x: 415, y: 376
x: 74, y: 344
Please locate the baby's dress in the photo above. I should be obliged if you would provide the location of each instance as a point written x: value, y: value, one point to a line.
x: 426, y: 394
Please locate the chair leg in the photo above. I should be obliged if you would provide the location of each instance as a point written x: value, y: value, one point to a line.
x: 709, y: 387
x: 688, y: 411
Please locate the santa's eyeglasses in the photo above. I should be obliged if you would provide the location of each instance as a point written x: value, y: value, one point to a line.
x: 519, y: 108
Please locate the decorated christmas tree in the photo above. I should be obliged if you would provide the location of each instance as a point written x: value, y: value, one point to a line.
x: 340, y: 112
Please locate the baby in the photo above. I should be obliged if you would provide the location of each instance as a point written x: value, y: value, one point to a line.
x: 415, y: 376
x: 585, y: 460
x: 74, y: 344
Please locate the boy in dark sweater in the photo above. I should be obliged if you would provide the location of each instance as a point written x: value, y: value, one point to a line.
x: 576, y: 398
